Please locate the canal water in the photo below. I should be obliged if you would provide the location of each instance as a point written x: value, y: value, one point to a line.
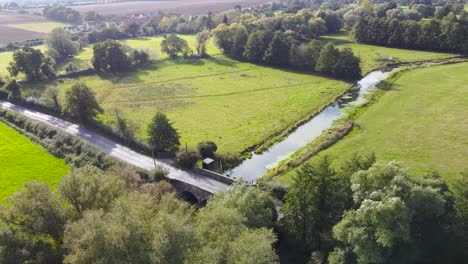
x: 255, y: 167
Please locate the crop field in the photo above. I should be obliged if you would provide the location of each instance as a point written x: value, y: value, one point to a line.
x: 41, y: 27
x: 188, y: 7
x: 419, y: 121
x: 9, y: 33
x: 21, y: 161
x: 373, y: 57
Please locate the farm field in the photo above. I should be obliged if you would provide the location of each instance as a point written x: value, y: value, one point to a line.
x: 41, y: 27
x: 419, y: 121
x: 188, y: 7
x: 9, y: 33
x: 21, y: 161
x: 373, y: 57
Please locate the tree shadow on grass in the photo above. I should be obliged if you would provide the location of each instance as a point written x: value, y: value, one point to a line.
x: 222, y: 62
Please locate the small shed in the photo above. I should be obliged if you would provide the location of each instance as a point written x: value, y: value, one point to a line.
x: 208, y: 163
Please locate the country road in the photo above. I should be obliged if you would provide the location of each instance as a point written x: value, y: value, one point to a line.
x: 118, y: 151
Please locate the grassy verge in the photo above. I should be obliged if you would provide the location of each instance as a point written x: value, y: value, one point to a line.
x: 420, y: 121
x: 21, y: 161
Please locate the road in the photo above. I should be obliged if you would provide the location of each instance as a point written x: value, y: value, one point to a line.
x: 118, y: 151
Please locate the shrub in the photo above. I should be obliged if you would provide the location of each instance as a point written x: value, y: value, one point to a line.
x: 229, y: 160
x: 207, y: 149
x: 158, y: 174
x: 186, y: 159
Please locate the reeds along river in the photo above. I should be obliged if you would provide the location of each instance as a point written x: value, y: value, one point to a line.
x: 259, y: 164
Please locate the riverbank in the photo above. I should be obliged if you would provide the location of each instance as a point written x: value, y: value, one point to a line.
x: 417, y: 120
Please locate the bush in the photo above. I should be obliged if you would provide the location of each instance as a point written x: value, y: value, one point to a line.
x: 186, y: 159
x: 229, y: 160
x: 158, y: 174
x: 207, y: 149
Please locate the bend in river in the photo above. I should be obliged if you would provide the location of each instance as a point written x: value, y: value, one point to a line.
x: 259, y: 164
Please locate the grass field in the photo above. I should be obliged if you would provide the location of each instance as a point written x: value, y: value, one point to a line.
x: 21, y: 161
x: 41, y: 27
x: 373, y: 57
x: 420, y: 121
x: 232, y: 103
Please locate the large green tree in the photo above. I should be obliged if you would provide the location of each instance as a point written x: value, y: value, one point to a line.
x: 396, y: 219
x: 80, y: 101
x: 59, y: 45
x: 32, y: 63
x: 257, y: 44
x: 314, y: 203
x: 162, y: 136
x: 111, y: 56
x: 174, y: 45
x: 277, y: 53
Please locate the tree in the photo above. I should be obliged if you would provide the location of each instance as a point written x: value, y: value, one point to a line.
x: 256, y: 206
x: 385, y: 195
x: 253, y: 247
x: 14, y: 90
x: 327, y: 59
x: 132, y: 28
x: 162, y: 136
x: 257, y: 44
x: 80, y: 100
x: 88, y: 188
x: 59, y: 45
x: 28, y: 61
x: 51, y: 96
x: 347, y: 66
x: 277, y: 53
x: 460, y: 190
x: 314, y: 203
x: 202, y: 39
x: 238, y: 46
x: 173, y: 45
x: 32, y: 226
x: 110, y: 56
x: 207, y: 149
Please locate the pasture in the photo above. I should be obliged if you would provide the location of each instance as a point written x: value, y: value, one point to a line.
x: 373, y: 57
x: 419, y: 121
x: 22, y: 161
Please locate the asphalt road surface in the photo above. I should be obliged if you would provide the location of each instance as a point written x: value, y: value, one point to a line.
x: 115, y: 150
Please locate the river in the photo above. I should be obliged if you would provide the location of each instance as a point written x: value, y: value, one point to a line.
x: 255, y: 167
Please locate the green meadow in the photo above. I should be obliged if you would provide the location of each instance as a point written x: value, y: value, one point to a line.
x: 420, y: 121
x: 22, y: 161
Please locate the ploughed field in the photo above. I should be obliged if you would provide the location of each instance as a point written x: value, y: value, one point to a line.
x: 22, y: 161
x: 420, y: 121
x: 16, y: 27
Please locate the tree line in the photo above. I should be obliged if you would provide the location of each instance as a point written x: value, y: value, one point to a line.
x: 62, y: 14
x: 431, y: 35
x: 282, y: 49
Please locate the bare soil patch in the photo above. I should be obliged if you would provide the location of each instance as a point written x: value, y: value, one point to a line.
x: 9, y: 35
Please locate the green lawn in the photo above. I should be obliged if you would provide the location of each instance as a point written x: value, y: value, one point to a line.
x: 41, y: 27
x: 373, y: 57
x: 421, y: 121
x: 21, y: 161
